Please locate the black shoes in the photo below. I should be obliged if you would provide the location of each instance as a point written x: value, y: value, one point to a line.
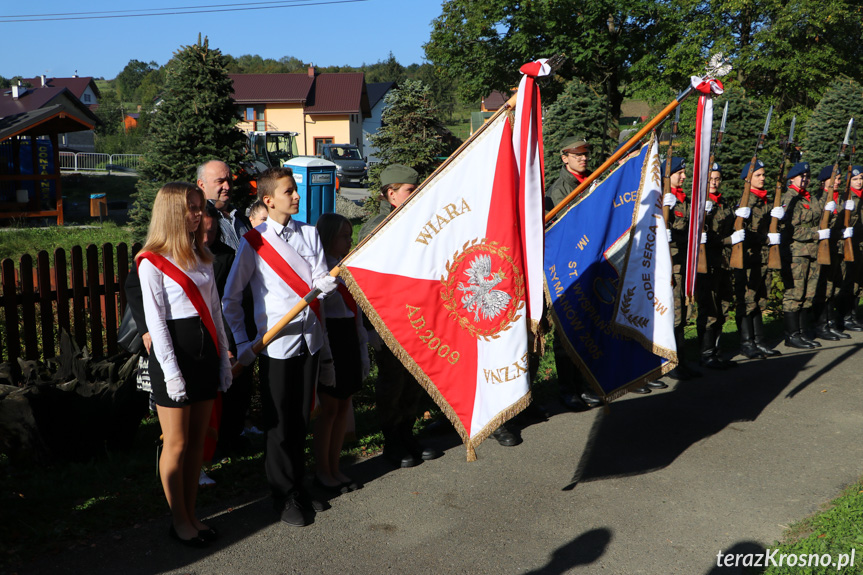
x: 208, y: 534
x: 298, y: 509
x: 401, y: 459
x: 420, y: 451
x: 656, y: 385
x: 505, y: 437
x: 196, y: 542
x: 683, y: 373
x: 643, y: 390
x: 851, y: 323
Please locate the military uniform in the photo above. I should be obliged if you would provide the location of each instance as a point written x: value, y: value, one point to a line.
x: 852, y: 279
x: 397, y: 393
x: 827, y: 326
x: 752, y: 283
x: 564, y: 185
x: 714, y: 290
x: 799, y: 249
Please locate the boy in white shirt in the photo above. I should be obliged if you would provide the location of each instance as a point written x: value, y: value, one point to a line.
x: 282, y: 260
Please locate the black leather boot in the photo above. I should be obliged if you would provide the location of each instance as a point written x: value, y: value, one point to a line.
x: 758, y: 332
x: 852, y: 318
x: 709, y: 353
x: 747, y: 339
x: 793, y: 335
x: 682, y: 372
x: 822, y: 329
x: 807, y: 331
x: 834, y: 322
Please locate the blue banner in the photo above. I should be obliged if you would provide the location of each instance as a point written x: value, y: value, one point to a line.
x: 585, y: 254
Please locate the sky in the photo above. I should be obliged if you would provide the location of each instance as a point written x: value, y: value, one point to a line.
x: 322, y: 32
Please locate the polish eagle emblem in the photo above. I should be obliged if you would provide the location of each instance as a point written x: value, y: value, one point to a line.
x: 480, y: 297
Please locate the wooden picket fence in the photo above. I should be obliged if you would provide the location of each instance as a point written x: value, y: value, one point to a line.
x: 83, y: 295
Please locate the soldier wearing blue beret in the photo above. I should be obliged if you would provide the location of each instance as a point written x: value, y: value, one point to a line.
x: 799, y: 247
x: 678, y: 230
x: 828, y: 322
x: 852, y: 282
x: 714, y: 290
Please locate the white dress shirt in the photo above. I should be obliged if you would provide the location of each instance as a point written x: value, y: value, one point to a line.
x: 272, y: 296
x: 165, y: 299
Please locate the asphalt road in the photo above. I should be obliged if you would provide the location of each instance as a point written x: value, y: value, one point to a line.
x: 657, y: 485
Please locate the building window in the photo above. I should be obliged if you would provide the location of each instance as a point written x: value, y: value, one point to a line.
x: 86, y: 98
x: 256, y: 114
x: 319, y: 142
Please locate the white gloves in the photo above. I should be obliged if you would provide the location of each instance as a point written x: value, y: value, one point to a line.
x: 743, y: 213
x: 848, y: 233
x: 225, y: 380
x: 830, y: 206
x: 703, y: 237
x: 176, y: 389
x: 669, y: 200
x: 668, y: 233
x: 738, y: 236
x: 708, y: 206
x: 773, y: 239
x: 849, y: 205
x: 327, y: 284
x: 824, y: 234
x: 245, y: 353
x: 777, y: 213
x: 327, y: 373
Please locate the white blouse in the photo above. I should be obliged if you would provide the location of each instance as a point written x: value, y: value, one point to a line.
x: 165, y: 299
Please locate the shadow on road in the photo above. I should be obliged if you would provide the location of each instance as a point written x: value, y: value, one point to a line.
x: 583, y: 550
x: 644, y: 434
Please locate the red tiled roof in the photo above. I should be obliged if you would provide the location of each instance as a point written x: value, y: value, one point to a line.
x: 265, y: 88
x: 75, y: 85
x: 339, y: 94
x: 32, y: 99
x: 494, y: 100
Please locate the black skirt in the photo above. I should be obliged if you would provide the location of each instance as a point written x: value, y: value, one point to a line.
x: 345, y: 344
x: 198, y: 360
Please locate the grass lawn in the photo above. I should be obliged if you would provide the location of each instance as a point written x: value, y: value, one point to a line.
x: 835, y: 530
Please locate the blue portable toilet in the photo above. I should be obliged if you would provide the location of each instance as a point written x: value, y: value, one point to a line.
x: 316, y: 184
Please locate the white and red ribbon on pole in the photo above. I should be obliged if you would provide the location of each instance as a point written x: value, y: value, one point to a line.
x: 527, y: 142
x: 706, y: 88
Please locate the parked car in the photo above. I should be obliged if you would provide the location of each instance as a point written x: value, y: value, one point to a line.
x: 351, y: 167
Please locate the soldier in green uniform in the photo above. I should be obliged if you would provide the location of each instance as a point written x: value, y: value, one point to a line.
x: 827, y: 326
x: 678, y: 230
x: 397, y: 393
x: 852, y: 281
x: 714, y: 290
x: 800, y: 270
x: 752, y: 283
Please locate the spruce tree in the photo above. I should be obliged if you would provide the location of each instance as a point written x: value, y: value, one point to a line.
x: 577, y: 113
x: 196, y: 121
x: 410, y: 134
x: 826, y: 127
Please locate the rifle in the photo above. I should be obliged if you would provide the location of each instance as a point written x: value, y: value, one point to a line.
x: 824, y: 245
x: 666, y: 185
x: 774, y: 261
x: 702, y: 250
x: 737, y: 249
x: 848, y: 248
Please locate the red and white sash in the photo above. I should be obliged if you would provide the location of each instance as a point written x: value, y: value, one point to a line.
x: 283, y: 269
x: 189, y: 286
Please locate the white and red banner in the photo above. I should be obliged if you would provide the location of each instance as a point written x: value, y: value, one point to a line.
x: 706, y: 87
x: 445, y: 281
x: 527, y: 139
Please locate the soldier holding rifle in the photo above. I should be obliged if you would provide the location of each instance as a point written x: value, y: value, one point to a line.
x: 800, y: 270
x: 827, y: 326
x: 853, y: 234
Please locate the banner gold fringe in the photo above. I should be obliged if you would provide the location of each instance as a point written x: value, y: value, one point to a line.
x: 470, y: 442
